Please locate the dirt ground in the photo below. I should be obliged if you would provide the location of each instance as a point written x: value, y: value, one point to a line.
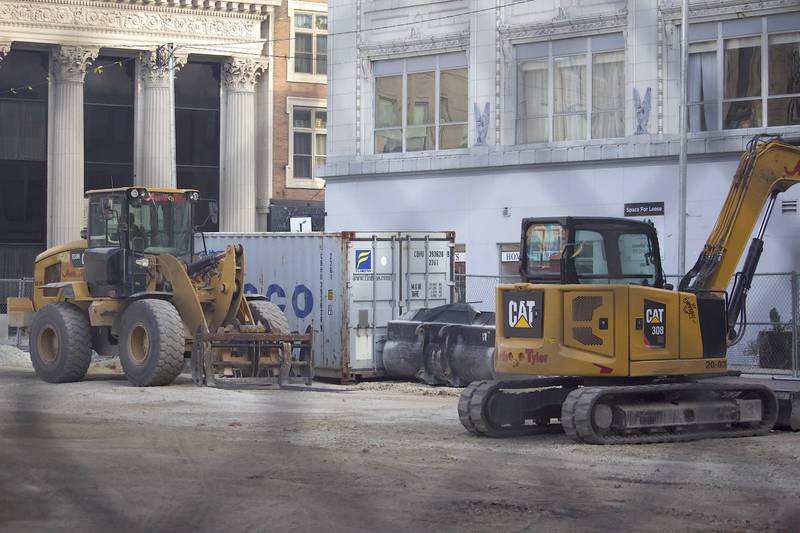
x: 102, y: 455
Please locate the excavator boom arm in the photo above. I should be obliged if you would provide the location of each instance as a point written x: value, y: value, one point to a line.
x: 766, y: 169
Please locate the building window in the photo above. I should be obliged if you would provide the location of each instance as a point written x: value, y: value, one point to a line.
x: 310, y: 43
x: 571, y: 89
x: 108, y: 123
x: 741, y: 104
x: 197, y: 120
x: 744, y: 73
x: 783, y: 103
x: 308, y: 141
x: 421, y: 103
x: 703, y: 97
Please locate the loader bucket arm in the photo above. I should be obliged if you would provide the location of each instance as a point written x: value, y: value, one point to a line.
x: 225, y: 291
x: 184, y: 294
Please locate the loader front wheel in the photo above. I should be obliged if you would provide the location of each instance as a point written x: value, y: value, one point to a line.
x: 151, y: 343
x: 61, y: 343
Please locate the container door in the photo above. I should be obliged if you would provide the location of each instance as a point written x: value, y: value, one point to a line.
x: 426, y: 273
x: 372, y: 287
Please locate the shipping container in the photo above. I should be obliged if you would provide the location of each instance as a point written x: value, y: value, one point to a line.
x: 346, y: 286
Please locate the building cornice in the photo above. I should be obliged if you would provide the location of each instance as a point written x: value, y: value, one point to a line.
x: 435, y: 43
x: 157, y: 18
x: 566, y: 27
x: 223, y: 8
x: 711, y: 10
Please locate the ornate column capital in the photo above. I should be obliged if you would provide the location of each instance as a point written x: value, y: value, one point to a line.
x: 70, y: 62
x: 4, y: 49
x: 155, y: 65
x: 241, y: 74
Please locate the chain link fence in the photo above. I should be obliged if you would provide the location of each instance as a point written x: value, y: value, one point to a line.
x: 14, y: 287
x: 771, y: 340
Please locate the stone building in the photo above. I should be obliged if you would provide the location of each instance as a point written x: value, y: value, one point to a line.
x: 469, y: 115
x: 87, y: 101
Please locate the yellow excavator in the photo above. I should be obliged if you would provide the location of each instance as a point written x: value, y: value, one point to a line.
x: 595, y: 337
x: 134, y: 287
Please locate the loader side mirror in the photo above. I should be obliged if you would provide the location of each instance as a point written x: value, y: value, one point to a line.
x: 205, y: 211
x: 108, y: 209
x: 84, y: 234
x: 213, y: 211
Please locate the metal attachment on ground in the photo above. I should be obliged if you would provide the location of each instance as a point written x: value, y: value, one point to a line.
x: 251, y: 356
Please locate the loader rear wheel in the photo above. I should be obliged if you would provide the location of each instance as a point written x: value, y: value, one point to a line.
x: 151, y: 343
x: 270, y: 316
x: 61, y: 343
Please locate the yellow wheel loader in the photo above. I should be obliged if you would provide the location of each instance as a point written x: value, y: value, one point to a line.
x: 133, y: 287
x: 596, y: 337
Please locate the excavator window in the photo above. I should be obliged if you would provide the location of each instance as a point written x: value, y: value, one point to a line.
x: 597, y: 251
x: 614, y: 256
x: 543, y: 248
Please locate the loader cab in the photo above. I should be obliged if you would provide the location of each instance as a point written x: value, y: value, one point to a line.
x: 125, y: 226
x: 590, y: 250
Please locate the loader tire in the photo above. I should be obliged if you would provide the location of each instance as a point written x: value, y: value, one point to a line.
x: 151, y: 343
x: 61, y: 343
x: 270, y: 316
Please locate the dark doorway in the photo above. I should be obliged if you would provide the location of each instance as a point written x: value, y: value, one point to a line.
x: 108, y: 97
x: 23, y: 160
x: 197, y: 101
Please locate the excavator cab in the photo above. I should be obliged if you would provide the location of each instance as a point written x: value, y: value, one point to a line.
x: 590, y: 250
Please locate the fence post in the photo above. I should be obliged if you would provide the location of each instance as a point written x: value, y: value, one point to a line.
x: 20, y: 289
x: 794, y: 323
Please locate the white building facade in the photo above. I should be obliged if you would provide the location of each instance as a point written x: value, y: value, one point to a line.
x: 469, y: 115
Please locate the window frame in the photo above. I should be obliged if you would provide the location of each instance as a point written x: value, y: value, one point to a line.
x: 721, y: 31
x: 437, y: 67
x: 306, y: 8
x: 550, y: 51
x: 314, y: 104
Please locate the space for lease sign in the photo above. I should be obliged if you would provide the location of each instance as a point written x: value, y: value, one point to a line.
x: 644, y: 209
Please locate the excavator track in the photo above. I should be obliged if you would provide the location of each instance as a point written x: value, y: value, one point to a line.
x: 674, y: 412
x: 503, y: 409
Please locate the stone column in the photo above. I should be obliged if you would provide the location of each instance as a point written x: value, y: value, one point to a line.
x: 66, y: 215
x: 156, y: 161
x: 238, y: 181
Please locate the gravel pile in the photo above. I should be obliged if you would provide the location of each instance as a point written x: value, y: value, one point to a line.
x: 13, y: 357
x: 407, y: 388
